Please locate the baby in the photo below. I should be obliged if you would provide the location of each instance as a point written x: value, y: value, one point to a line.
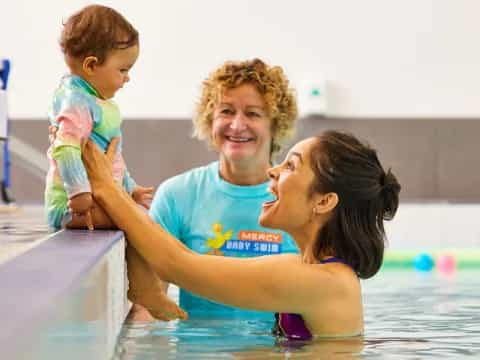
x: 100, y: 47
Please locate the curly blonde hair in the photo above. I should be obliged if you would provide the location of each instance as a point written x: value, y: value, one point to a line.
x: 270, y: 82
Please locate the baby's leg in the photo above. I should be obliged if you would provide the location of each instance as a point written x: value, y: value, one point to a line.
x: 140, y: 313
x: 146, y: 289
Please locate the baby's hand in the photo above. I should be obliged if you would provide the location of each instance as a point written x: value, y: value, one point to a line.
x: 81, y: 205
x: 143, y: 195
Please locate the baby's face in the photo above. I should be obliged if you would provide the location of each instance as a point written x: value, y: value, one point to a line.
x: 114, y: 72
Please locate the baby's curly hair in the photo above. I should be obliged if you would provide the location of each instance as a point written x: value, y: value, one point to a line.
x: 270, y: 82
x: 94, y: 31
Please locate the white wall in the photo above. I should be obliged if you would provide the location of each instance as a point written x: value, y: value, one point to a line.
x: 434, y: 226
x: 380, y: 57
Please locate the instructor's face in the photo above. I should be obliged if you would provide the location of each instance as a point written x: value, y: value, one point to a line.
x: 241, y: 128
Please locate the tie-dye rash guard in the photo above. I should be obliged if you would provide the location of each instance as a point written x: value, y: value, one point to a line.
x: 79, y: 114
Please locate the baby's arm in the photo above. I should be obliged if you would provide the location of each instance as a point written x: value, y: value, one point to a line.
x: 128, y: 183
x: 73, y: 127
x: 85, y: 211
x: 142, y: 195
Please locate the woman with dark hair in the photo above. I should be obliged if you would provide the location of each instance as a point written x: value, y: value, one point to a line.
x: 331, y: 194
x: 246, y: 113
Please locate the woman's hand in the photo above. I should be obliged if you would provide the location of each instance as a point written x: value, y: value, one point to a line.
x: 97, y: 164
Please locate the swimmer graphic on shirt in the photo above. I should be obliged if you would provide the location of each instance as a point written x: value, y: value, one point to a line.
x: 219, y: 240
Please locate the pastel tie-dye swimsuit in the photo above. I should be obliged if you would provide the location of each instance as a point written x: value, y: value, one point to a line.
x: 292, y: 326
x: 79, y: 114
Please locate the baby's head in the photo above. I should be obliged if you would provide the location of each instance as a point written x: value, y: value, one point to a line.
x: 100, y: 46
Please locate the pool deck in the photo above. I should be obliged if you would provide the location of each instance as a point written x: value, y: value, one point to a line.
x: 21, y: 229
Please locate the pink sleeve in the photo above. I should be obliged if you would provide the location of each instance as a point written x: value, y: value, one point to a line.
x: 74, y: 128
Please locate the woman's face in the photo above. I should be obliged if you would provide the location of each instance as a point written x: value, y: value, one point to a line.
x: 290, y: 184
x: 241, y: 128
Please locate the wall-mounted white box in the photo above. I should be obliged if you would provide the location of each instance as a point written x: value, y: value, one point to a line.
x: 312, y: 96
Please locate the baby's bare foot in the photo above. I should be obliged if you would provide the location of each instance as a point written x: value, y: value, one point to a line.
x: 166, y: 307
x: 158, y: 305
x: 139, y: 313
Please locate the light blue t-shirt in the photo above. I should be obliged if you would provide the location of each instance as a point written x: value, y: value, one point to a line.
x: 212, y: 216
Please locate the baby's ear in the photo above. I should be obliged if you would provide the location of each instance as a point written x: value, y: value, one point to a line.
x: 89, y: 63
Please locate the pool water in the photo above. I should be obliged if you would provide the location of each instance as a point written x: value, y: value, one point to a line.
x: 408, y: 315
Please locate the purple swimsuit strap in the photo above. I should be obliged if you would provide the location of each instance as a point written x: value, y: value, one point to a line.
x: 293, y: 326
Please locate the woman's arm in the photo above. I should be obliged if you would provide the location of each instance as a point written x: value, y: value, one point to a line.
x: 271, y: 283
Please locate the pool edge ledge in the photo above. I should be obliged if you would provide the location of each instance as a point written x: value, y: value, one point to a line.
x: 71, y: 287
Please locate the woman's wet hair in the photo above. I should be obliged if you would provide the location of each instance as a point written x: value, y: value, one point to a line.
x: 367, y: 194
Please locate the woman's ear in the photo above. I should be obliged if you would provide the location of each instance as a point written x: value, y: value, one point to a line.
x: 325, y: 203
x: 89, y: 64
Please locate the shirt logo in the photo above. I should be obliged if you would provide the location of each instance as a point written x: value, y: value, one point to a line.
x: 248, y: 242
x: 216, y: 242
x: 255, y: 242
